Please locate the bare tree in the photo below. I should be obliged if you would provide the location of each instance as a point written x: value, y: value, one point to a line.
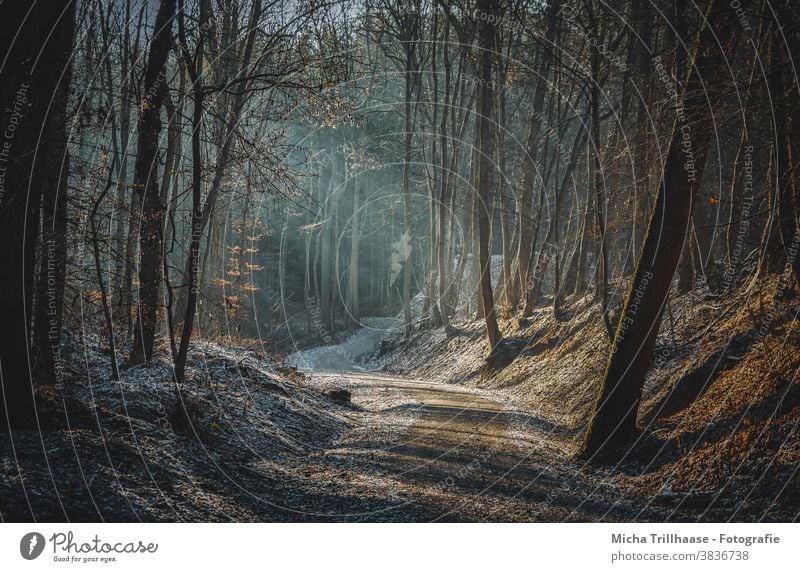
x: 614, y: 416
x: 146, y: 185
x: 487, y: 34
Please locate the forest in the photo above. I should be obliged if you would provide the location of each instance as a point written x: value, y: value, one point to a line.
x: 400, y: 260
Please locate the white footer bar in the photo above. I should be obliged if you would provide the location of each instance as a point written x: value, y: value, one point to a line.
x: 399, y: 547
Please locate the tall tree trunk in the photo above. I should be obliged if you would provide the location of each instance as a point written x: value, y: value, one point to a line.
x: 49, y: 302
x: 124, y: 260
x: 537, y: 263
x: 487, y: 132
x: 577, y: 147
x: 614, y: 416
x: 151, y: 231
x: 638, y: 60
x: 98, y: 272
x: 355, y: 248
x: 599, y: 204
x: 407, y: 233
x: 129, y: 207
x: 444, y: 192
x: 585, y: 236
x: 36, y: 42
x: 194, y: 66
x: 326, y: 242
x: 784, y: 90
x: 519, y: 291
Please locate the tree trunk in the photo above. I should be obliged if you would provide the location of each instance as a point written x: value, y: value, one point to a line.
x: 614, y: 417
x: 49, y: 302
x: 519, y: 291
x: 787, y: 129
x: 407, y: 236
x: 487, y: 132
x: 194, y: 67
x: 151, y: 231
x: 355, y: 248
x: 598, y: 184
x: 36, y: 41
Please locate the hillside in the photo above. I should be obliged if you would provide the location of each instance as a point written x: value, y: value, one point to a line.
x: 720, y: 405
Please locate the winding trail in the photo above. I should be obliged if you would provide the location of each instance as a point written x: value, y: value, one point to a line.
x: 428, y: 451
x: 422, y: 451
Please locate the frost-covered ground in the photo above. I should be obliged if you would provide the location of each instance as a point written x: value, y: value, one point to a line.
x: 354, y: 353
x: 720, y: 405
x: 247, y: 439
x: 357, y: 353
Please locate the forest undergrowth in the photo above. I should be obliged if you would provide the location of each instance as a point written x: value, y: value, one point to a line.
x: 719, y: 409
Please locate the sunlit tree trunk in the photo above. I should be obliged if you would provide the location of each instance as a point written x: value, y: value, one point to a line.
x: 487, y: 135
x: 355, y: 249
x: 407, y: 230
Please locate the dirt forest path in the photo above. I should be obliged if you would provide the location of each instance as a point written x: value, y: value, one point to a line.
x: 435, y: 452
